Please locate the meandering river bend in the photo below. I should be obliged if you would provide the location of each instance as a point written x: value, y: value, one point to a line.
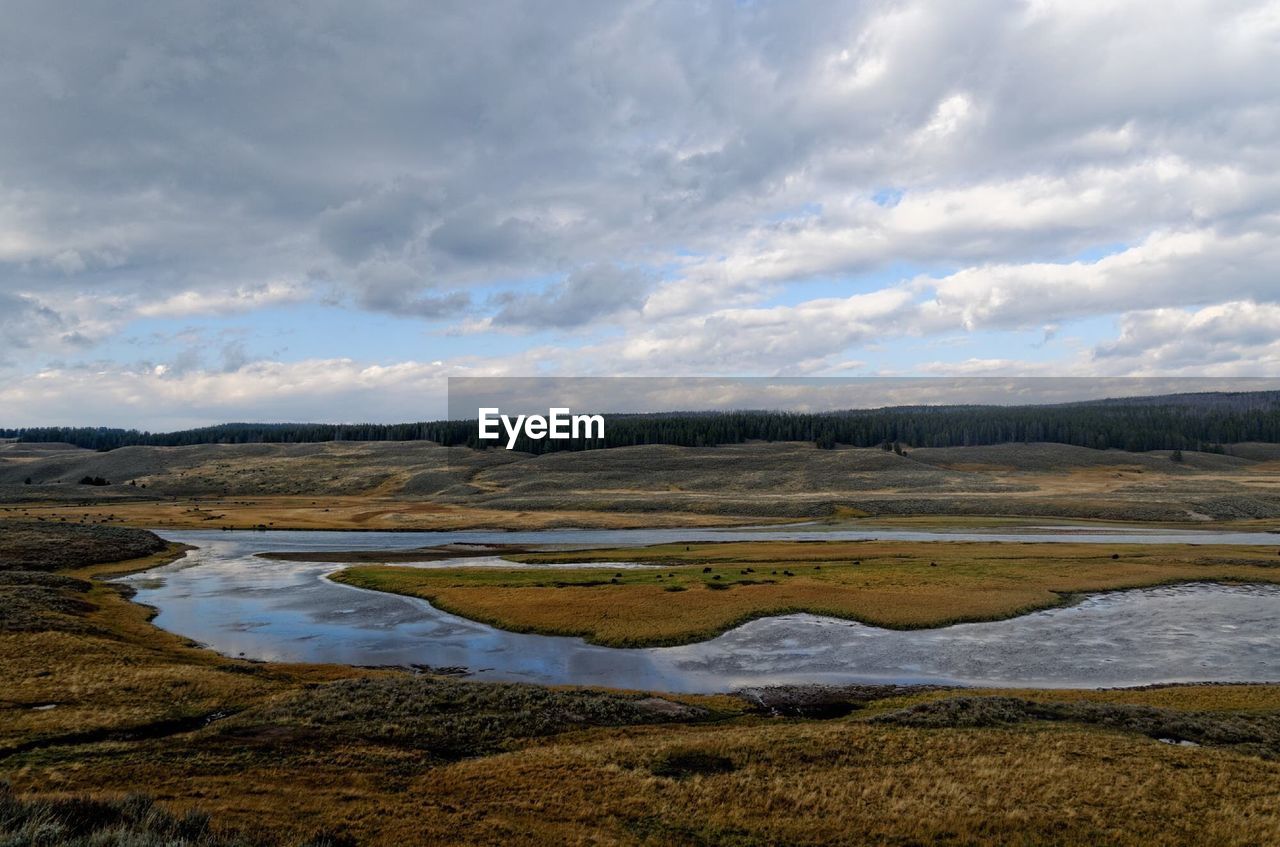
x: 226, y: 597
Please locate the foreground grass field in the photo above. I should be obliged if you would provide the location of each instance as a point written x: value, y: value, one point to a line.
x: 746, y: 781
x: 98, y: 704
x: 696, y: 591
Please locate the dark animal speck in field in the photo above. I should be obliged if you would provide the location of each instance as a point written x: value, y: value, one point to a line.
x: 679, y: 764
x: 717, y: 576
x: 1115, y: 555
x: 933, y: 564
x: 706, y: 570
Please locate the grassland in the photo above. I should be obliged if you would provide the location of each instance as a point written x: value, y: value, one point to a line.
x: 693, y: 592
x: 234, y: 752
x: 728, y: 780
x: 418, y: 485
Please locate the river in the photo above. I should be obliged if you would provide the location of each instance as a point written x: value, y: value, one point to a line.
x: 226, y: 597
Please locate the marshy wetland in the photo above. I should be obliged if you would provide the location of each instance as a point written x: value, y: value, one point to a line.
x: 103, y: 707
x: 751, y: 607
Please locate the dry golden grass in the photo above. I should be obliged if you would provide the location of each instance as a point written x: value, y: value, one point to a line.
x: 349, y: 513
x: 889, y: 584
x: 847, y: 783
x: 125, y: 672
x: 841, y: 782
x: 784, y: 782
x: 1242, y: 699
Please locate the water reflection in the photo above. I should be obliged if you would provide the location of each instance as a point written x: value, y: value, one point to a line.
x: 224, y: 596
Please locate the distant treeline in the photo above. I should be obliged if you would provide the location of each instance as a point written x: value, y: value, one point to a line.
x: 1185, y: 422
x: 108, y: 438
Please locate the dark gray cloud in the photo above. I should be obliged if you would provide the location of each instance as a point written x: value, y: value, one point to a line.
x: 411, y: 302
x: 474, y: 236
x: 24, y: 322
x: 384, y: 221
x: 584, y: 296
x: 215, y: 144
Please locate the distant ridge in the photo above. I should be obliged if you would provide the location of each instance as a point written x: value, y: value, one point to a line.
x: 1237, y: 401
x: 1195, y: 421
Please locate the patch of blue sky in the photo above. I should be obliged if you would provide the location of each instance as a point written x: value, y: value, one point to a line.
x: 1087, y: 332
x: 1099, y: 251
x: 481, y: 290
x: 795, y: 213
x: 894, y: 273
x: 887, y: 197
x: 303, y: 331
x: 815, y: 288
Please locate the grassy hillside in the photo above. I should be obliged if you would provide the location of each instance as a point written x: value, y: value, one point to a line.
x: 420, y: 485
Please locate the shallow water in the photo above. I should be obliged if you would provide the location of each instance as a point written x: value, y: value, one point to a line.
x: 224, y: 596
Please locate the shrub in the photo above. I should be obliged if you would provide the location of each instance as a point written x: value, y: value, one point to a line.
x: 447, y: 719
x: 678, y: 764
x: 1251, y: 733
x: 331, y: 838
x: 89, y: 822
x: 44, y: 546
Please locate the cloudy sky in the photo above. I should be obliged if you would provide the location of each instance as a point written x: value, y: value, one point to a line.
x: 281, y: 211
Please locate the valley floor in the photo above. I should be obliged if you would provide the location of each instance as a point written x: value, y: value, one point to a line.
x: 98, y: 701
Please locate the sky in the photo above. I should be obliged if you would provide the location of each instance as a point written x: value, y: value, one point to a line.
x: 215, y: 211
